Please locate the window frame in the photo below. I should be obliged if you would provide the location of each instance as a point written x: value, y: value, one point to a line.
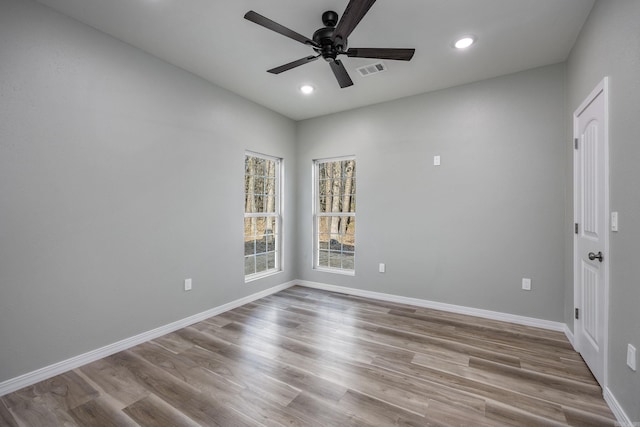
x: 316, y: 214
x: 277, y: 214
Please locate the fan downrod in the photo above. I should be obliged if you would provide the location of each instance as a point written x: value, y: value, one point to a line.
x: 330, y: 18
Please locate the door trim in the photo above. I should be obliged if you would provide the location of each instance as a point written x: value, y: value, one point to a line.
x: 602, y: 87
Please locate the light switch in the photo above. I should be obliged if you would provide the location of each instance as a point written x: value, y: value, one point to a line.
x: 526, y: 284
x: 436, y: 160
x: 614, y: 221
x: 631, y: 357
x: 381, y: 267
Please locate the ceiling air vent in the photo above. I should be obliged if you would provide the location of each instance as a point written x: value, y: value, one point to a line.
x: 368, y: 70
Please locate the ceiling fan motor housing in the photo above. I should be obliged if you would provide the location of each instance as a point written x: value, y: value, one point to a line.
x: 324, y: 38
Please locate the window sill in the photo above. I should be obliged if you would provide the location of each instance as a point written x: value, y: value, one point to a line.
x: 335, y: 271
x: 258, y: 276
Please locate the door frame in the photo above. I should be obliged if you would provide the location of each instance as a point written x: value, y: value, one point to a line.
x: 602, y: 87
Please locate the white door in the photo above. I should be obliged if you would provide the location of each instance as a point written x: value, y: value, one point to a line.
x: 591, y: 249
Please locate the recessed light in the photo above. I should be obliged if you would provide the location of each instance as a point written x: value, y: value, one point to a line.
x: 307, y: 89
x: 464, y: 42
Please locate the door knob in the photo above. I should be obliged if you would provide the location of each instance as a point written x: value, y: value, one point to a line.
x: 597, y: 256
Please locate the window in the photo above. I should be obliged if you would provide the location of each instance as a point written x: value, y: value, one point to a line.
x: 262, y: 221
x: 335, y: 214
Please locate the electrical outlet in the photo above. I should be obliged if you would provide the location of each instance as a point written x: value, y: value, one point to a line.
x: 381, y: 267
x: 436, y: 160
x: 187, y: 284
x: 631, y: 357
x: 526, y: 284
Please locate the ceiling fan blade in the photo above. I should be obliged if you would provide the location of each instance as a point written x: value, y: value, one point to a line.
x: 341, y: 73
x: 293, y: 64
x: 353, y: 14
x: 274, y: 26
x: 381, y: 53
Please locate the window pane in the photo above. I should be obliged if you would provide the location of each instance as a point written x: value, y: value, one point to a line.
x: 322, y: 204
x: 322, y: 170
x: 259, y: 166
x: 348, y: 260
x: 349, y: 230
x: 270, y: 169
x: 270, y: 195
x: 351, y: 203
x: 323, y: 227
x: 249, y: 227
x: 270, y: 227
x: 323, y: 258
x: 249, y: 247
x: 271, y: 260
x: 323, y: 241
x: 261, y: 263
x: 249, y: 265
x: 258, y: 184
x: 335, y: 260
x: 251, y: 203
x: 260, y: 225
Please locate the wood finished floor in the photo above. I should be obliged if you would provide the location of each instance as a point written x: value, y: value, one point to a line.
x: 305, y: 357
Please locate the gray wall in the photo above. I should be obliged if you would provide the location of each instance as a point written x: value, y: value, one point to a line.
x: 609, y: 45
x: 468, y: 231
x: 120, y: 176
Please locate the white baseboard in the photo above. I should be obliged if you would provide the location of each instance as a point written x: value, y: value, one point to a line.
x: 570, y: 336
x: 47, y: 372
x: 618, y: 412
x: 487, y: 314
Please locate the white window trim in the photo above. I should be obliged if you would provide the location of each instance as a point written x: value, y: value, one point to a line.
x: 278, y: 214
x: 314, y: 206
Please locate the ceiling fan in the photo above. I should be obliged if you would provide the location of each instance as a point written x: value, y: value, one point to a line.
x: 331, y: 40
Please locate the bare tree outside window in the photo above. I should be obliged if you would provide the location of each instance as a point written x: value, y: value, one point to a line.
x: 261, y: 215
x: 335, y: 214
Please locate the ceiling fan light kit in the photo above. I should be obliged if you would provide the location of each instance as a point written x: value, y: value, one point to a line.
x: 330, y: 41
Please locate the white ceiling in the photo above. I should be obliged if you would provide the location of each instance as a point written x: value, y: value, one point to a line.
x: 211, y: 39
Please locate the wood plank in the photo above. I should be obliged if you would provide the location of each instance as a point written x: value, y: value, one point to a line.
x: 511, y: 415
x: 576, y: 417
x: 115, y: 381
x: 173, y: 342
x: 540, y: 378
x: 68, y: 389
x: 320, y: 412
x: 245, y: 376
x: 445, y: 414
x: 187, y: 371
x: 265, y: 412
x: 99, y: 413
x: 155, y: 412
x: 201, y: 407
x: 6, y: 419
x: 305, y: 379
x: 29, y: 408
x: 379, y: 413
x: 479, y: 389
